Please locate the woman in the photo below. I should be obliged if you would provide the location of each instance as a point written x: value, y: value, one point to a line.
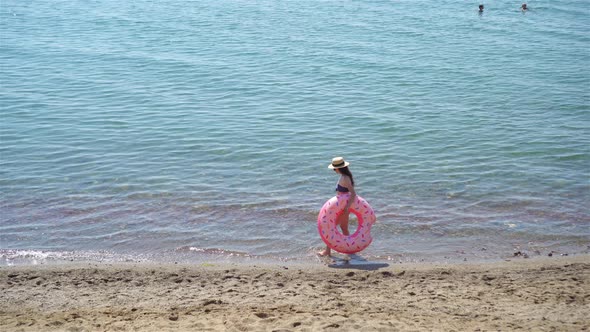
x: 345, y: 186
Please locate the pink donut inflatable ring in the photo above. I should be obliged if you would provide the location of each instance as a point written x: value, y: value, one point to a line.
x: 333, y: 237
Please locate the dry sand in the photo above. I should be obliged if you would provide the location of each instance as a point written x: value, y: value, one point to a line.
x: 549, y: 294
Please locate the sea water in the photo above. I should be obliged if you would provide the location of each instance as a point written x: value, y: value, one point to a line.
x: 191, y: 130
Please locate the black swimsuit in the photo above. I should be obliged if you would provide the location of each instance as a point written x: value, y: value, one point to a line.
x: 341, y: 189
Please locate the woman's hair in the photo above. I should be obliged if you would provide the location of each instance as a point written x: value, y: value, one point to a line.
x: 346, y: 171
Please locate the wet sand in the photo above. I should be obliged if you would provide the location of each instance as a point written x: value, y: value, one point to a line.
x: 549, y: 294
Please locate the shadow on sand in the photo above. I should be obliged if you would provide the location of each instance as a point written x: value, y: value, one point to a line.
x: 355, y: 262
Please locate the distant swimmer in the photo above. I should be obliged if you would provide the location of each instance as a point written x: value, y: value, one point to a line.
x: 481, y: 8
x: 524, y: 7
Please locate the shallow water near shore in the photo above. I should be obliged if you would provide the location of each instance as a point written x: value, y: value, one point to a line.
x: 201, y: 131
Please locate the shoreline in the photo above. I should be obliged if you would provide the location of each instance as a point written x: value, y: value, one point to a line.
x: 40, y: 257
x: 524, y: 294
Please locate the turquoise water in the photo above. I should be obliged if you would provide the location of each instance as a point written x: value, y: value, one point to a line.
x: 202, y: 130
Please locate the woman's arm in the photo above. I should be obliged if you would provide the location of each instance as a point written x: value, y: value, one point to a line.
x: 348, y: 184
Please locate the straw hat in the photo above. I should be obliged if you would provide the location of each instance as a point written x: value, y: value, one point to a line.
x: 338, y: 162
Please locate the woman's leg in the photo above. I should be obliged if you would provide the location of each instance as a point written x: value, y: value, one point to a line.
x: 325, y: 252
x: 343, y: 222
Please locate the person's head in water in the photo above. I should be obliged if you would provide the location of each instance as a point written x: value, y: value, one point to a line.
x: 481, y: 8
x: 524, y: 7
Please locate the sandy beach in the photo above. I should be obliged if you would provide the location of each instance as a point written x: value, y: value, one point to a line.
x: 549, y: 294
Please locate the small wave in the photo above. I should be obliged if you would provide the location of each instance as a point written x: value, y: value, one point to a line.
x: 11, y: 257
x: 216, y: 252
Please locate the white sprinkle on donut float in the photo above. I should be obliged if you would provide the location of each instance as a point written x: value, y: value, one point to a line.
x: 333, y: 237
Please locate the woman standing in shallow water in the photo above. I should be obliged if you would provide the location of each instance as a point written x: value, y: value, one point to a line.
x: 345, y: 185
